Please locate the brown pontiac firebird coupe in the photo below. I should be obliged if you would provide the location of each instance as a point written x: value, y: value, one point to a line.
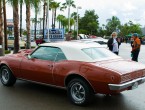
x: 83, y: 69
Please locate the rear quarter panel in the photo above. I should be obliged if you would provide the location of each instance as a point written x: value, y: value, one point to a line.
x: 98, y: 77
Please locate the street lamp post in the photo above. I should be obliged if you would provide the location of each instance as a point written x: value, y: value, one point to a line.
x: 69, y: 15
x: 78, y: 20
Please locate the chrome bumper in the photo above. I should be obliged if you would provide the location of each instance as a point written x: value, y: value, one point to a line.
x: 125, y: 85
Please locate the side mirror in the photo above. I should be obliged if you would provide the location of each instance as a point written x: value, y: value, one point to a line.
x: 29, y: 57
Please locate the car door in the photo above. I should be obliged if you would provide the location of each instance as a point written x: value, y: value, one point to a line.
x: 39, y: 66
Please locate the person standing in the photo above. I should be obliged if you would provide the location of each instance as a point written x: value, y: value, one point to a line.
x: 69, y: 36
x: 131, y: 42
x: 135, y: 47
x: 114, y: 43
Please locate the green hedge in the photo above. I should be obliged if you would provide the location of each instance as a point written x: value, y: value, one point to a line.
x: 7, y: 51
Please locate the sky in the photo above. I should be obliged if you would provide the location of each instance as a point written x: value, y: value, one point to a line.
x: 125, y: 10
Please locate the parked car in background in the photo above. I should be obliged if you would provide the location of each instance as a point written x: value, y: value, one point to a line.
x: 82, y: 36
x: 92, y: 36
x: 89, y: 42
x: 83, y: 69
x: 10, y: 42
x: 38, y: 41
x: 101, y: 41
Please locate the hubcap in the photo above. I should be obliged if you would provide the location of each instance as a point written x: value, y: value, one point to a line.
x: 5, y: 75
x: 78, y: 92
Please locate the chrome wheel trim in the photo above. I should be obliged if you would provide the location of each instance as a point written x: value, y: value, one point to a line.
x: 78, y: 92
x: 5, y: 75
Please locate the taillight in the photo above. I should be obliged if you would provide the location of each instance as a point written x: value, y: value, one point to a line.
x: 125, y: 78
x: 143, y: 72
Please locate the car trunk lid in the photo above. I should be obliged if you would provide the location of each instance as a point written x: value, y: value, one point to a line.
x: 122, y: 66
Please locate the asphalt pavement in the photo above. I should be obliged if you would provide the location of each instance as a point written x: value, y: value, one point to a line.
x: 125, y: 52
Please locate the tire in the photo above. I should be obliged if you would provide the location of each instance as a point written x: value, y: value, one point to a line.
x: 79, y: 92
x: 6, y: 76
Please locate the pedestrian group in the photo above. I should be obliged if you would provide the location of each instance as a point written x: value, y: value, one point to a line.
x: 114, y: 42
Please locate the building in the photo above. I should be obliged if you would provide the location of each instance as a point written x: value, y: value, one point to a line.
x: 10, y: 27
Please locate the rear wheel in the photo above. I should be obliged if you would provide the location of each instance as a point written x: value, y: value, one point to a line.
x: 79, y: 92
x: 6, y: 76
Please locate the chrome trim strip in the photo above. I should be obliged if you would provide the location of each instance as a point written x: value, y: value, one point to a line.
x: 125, y: 85
x: 42, y: 83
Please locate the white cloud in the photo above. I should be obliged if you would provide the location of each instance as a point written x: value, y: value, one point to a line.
x: 124, y: 9
x: 127, y: 14
x: 114, y: 13
x: 128, y: 6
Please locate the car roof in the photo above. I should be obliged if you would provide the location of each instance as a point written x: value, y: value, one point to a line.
x: 69, y: 44
x: 95, y: 39
x: 72, y: 50
x: 87, y: 42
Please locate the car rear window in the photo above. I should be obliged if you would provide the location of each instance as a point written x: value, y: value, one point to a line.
x: 99, y: 53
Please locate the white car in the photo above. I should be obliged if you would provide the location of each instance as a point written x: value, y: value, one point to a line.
x: 82, y: 36
x: 101, y: 41
x: 89, y: 42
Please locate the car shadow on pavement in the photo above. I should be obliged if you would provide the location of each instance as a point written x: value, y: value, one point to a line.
x: 41, y: 97
x: 112, y: 102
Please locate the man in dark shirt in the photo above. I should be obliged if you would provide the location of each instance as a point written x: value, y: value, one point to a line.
x: 135, y: 47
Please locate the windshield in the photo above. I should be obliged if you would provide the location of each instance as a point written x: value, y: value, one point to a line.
x: 99, y: 53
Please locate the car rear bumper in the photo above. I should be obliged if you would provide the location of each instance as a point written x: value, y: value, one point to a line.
x: 127, y: 84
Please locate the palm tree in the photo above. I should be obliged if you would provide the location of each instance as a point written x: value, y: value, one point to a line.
x: 21, y: 3
x: 64, y: 22
x: 44, y: 17
x: 54, y: 6
x: 15, y: 4
x: 74, y: 16
x: 28, y: 3
x: 1, y: 30
x: 103, y: 25
x: 68, y: 4
x: 44, y: 14
x: 59, y: 19
x: 5, y: 24
x: 72, y: 22
x: 36, y: 4
x: 112, y: 24
x: 33, y: 22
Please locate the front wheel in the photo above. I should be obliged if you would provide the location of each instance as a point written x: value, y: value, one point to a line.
x: 79, y: 92
x: 6, y: 76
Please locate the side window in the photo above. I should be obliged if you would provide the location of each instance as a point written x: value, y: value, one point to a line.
x: 60, y: 56
x: 46, y: 53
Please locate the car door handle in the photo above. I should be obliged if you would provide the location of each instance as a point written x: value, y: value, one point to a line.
x: 50, y: 65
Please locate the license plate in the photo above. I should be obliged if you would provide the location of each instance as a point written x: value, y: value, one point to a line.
x: 135, y: 85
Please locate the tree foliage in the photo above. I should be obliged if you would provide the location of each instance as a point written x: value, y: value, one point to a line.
x: 129, y: 28
x: 89, y: 23
x: 113, y: 24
